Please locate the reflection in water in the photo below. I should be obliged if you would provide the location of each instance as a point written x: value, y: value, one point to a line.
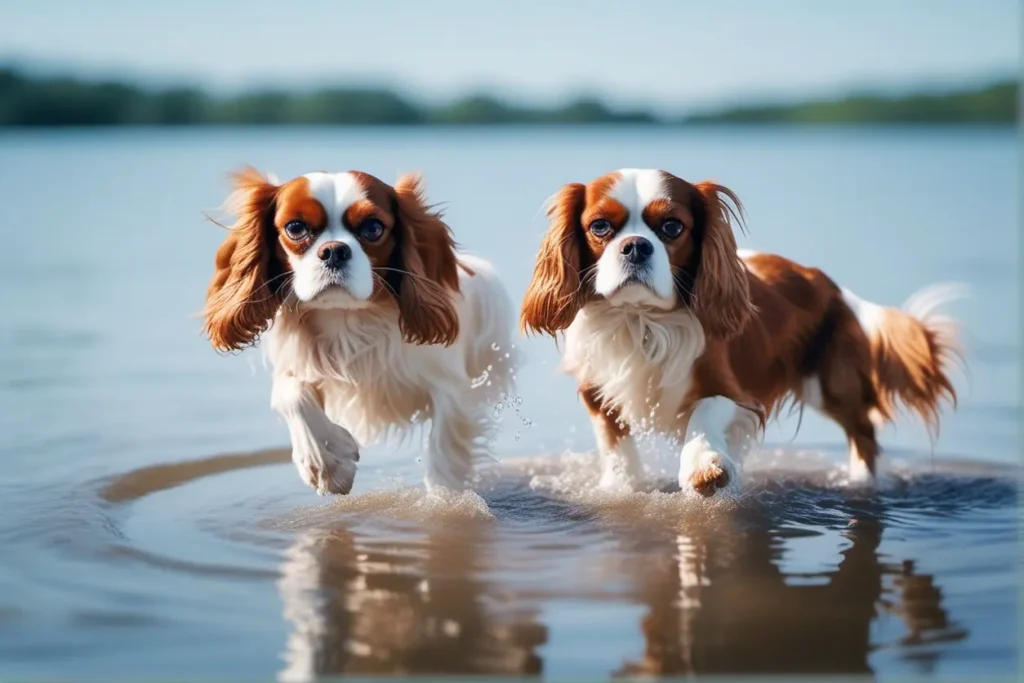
x: 722, y: 605
x: 417, y: 584
x: 918, y: 605
x: 406, y: 609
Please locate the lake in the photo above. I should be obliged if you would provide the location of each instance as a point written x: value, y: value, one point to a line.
x: 153, y: 525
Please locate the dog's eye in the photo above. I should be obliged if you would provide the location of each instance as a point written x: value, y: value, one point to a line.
x: 600, y: 227
x: 671, y: 229
x: 296, y: 230
x: 371, y: 230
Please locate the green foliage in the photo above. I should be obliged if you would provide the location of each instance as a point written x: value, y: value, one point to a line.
x: 30, y: 101
x: 996, y: 103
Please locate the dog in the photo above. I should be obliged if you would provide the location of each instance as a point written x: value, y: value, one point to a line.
x: 669, y: 328
x: 372, y: 320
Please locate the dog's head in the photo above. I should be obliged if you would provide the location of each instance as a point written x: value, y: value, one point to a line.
x: 332, y: 240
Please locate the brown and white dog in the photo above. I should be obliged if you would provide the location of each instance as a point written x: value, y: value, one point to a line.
x: 374, y: 323
x: 668, y: 328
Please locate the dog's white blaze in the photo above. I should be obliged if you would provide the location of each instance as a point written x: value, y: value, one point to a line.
x: 336, y: 192
x: 635, y: 189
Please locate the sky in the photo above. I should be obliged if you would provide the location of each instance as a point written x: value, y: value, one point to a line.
x: 669, y: 54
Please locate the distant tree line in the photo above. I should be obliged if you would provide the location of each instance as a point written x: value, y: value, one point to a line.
x: 995, y: 103
x: 64, y: 101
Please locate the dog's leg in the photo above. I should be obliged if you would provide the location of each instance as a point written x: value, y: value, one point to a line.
x: 452, y: 445
x: 718, y: 436
x: 620, y: 461
x: 324, y: 453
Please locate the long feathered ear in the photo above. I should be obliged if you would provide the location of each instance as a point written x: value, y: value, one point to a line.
x: 426, y: 269
x: 721, y: 299
x: 555, y: 294
x: 244, y: 294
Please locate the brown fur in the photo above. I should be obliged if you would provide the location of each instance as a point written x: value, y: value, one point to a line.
x: 908, y: 357
x: 414, y: 261
x: 770, y: 323
x: 721, y: 295
x: 614, y: 428
x: 245, y: 291
x: 555, y: 294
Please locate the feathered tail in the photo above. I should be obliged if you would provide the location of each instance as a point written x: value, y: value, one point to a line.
x: 913, y: 350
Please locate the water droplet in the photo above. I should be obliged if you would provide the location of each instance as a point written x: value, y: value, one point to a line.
x: 507, y: 355
x: 519, y: 400
x: 495, y: 347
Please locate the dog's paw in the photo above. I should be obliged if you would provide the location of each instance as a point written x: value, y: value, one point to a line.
x: 328, y: 465
x: 710, y: 478
x: 709, y: 473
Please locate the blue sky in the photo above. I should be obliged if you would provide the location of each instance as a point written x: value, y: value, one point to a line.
x: 671, y: 53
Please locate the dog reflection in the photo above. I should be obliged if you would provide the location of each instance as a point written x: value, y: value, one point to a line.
x: 720, y: 604
x: 417, y: 609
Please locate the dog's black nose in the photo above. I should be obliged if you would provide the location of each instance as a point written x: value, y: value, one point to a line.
x: 636, y: 249
x: 334, y: 254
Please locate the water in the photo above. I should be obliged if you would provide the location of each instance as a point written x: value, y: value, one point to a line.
x: 153, y: 525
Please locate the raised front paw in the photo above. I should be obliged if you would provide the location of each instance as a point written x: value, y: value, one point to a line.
x: 708, y: 479
x: 328, y: 463
x: 707, y: 472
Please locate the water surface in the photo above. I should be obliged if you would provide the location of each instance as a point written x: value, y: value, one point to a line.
x: 154, y: 526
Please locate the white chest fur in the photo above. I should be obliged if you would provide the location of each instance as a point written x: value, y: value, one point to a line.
x: 639, y: 360
x: 370, y: 379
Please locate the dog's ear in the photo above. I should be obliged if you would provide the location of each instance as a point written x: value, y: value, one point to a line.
x: 721, y: 300
x: 555, y: 293
x: 244, y: 294
x: 428, y: 268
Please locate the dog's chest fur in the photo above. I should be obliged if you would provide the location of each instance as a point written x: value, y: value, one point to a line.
x: 640, y: 361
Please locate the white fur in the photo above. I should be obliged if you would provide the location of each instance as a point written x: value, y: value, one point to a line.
x: 812, y: 394
x: 321, y: 287
x: 639, y: 360
x: 870, y: 316
x: 620, y: 461
x: 374, y: 384
x: 324, y: 453
x: 635, y: 189
x: 719, y: 434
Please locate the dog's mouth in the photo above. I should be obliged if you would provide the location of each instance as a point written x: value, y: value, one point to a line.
x: 335, y: 292
x: 636, y: 289
x: 636, y: 276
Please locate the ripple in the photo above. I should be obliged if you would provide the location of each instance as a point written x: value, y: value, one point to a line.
x: 479, y: 577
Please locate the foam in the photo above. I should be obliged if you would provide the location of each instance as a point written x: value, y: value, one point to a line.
x: 399, y: 503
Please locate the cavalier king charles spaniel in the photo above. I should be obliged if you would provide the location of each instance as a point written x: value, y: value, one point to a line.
x: 669, y: 328
x: 373, y: 321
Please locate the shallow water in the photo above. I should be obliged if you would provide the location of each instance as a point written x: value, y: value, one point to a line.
x: 147, y: 533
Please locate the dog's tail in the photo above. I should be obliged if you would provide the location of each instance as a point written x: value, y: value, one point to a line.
x: 913, y: 350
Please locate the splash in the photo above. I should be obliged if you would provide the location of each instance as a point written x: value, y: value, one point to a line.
x: 483, y: 380
x: 511, y: 404
x: 400, y: 503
